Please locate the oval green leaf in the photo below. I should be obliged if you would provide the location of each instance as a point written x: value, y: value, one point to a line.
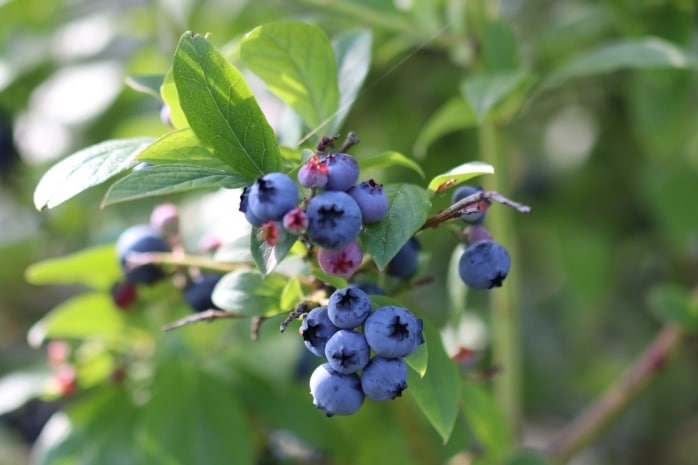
x: 454, y: 115
x: 297, y: 63
x: 222, y: 110
x: 388, y: 160
x: 459, y: 174
x: 485, y: 92
x: 181, y: 146
x: 267, y: 257
x: 86, y: 168
x: 248, y: 293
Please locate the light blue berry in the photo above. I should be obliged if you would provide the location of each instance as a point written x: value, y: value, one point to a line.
x: 316, y: 330
x: 334, y: 219
x: 384, y: 378
x: 342, y: 171
x: 484, y: 265
x: 348, y: 307
x: 371, y: 199
x: 393, y: 331
x: 335, y: 393
x: 271, y: 196
x: 347, y: 351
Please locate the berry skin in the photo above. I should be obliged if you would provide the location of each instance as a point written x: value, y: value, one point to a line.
x: 317, y: 329
x: 384, y: 378
x: 475, y: 233
x: 198, y: 293
x: 334, y: 219
x: 140, y: 238
x: 348, y: 307
x: 335, y: 393
x: 371, y: 199
x: 347, y: 351
x: 368, y: 287
x: 295, y: 221
x: 393, y: 332
x: 342, y: 262
x: 313, y: 173
x: 271, y: 196
x: 124, y: 294
x: 463, y: 192
x: 165, y: 219
x: 342, y: 171
x: 404, y: 263
x: 245, y: 208
x: 484, y: 265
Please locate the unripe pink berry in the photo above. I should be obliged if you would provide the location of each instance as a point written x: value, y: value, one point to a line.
x: 342, y: 262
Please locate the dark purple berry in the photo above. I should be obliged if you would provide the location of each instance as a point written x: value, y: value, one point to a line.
x: 198, y: 293
x: 334, y: 219
x: 140, y: 239
x: 484, y: 265
x: 404, y: 263
x: 465, y: 191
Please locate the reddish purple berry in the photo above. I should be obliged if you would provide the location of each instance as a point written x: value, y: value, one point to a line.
x: 342, y: 262
x: 295, y: 220
x: 313, y: 173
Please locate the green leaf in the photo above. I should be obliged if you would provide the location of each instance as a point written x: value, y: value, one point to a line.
x: 487, y: 421
x: 268, y: 257
x: 459, y: 174
x: 647, y: 52
x: 499, y: 46
x: 454, y: 115
x: 437, y: 392
x: 222, y: 110
x: 353, y: 52
x: 78, y: 268
x: 170, y: 179
x: 86, y: 168
x: 334, y: 281
x: 248, y: 293
x: 297, y: 63
x: 674, y: 304
x: 419, y: 359
x: 485, y: 92
x: 169, y: 95
x: 147, y: 84
x: 91, y: 314
x: 189, y: 414
x: 181, y: 146
x: 292, y: 293
x: 388, y: 160
x: 409, y: 207
x: 528, y: 457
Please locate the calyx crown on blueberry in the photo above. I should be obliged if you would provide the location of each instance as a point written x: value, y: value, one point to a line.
x: 271, y: 196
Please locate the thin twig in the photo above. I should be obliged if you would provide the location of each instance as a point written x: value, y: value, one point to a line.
x: 325, y: 143
x: 301, y: 309
x: 592, y: 421
x: 256, y: 326
x: 472, y: 204
x: 135, y: 259
x: 205, y: 316
x: 351, y: 140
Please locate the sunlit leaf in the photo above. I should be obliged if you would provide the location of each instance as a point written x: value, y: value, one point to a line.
x: 353, y: 52
x: 388, y: 160
x: 95, y: 267
x: 459, y: 174
x: 181, y: 146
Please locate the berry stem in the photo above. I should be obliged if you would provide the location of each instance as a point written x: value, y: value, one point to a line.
x: 135, y: 259
x: 207, y: 316
x: 351, y: 140
x: 592, y: 421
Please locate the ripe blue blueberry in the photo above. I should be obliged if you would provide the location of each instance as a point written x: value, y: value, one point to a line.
x: 198, y: 293
x: 142, y: 239
x: 368, y: 287
x: 463, y: 192
x: 342, y: 171
x: 272, y: 195
x: 393, y: 331
x: 347, y: 351
x: 316, y: 330
x: 384, y: 378
x: 371, y: 199
x: 404, y: 263
x: 335, y: 393
x: 245, y: 208
x: 348, y: 307
x: 484, y: 265
x: 334, y: 219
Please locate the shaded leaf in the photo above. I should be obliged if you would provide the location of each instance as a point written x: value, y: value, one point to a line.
x: 266, y: 256
x: 459, y: 174
x: 487, y: 421
x: 672, y: 303
x: 409, y: 207
x: 438, y: 391
x: 297, y: 63
x: 353, y: 52
x: 78, y: 268
x: 485, y: 92
x: 419, y: 359
x: 453, y: 115
x: 647, y: 52
x: 86, y: 168
x: 222, y: 110
x: 388, y: 160
x: 170, y: 179
x: 248, y: 293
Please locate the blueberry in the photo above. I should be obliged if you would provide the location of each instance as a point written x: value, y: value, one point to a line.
x: 165, y: 219
x: 140, y: 238
x: 334, y: 219
x: 198, y: 293
x: 475, y: 233
x: 368, y: 287
x: 335, y: 393
x: 384, y: 378
x: 342, y: 262
x: 466, y: 191
x: 393, y: 331
x: 347, y: 351
x: 245, y: 208
x: 348, y: 307
x: 313, y: 173
x: 371, y: 199
x: 316, y: 330
x: 404, y: 263
x: 342, y: 171
x: 484, y: 265
x: 272, y: 195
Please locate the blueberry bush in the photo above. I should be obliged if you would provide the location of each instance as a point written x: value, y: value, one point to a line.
x: 285, y: 272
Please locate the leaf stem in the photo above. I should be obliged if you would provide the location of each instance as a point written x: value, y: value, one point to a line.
x: 592, y: 421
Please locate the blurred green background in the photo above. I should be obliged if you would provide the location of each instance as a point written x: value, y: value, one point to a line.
x: 609, y: 164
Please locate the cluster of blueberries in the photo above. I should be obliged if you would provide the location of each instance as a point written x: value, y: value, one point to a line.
x: 160, y: 235
x: 484, y: 263
x: 331, y: 217
x: 347, y: 332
